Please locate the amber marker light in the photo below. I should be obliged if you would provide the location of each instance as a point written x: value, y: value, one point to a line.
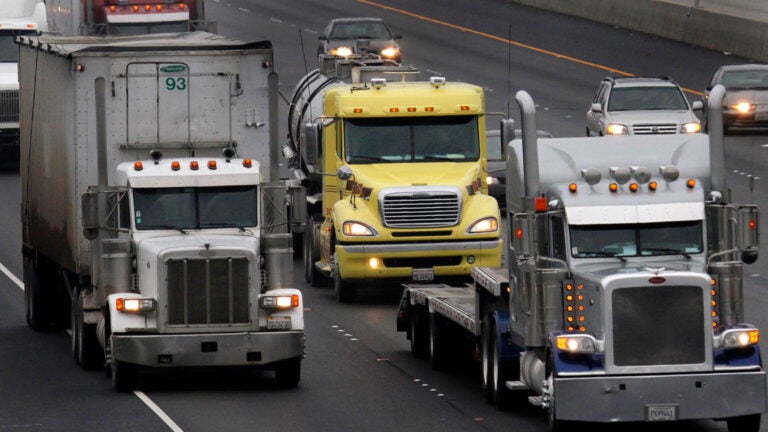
x: 212, y: 165
x: 411, y: 109
x: 357, y: 110
x: 653, y: 185
x: 394, y: 109
x: 633, y: 187
x: 573, y: 187
x: 112, y: 8
x: 429, y: 109
x: 182, y: 6
x: 147, y: 8
x: 613, y: 187
x: 690, y: 183
x: 248, y: 163
x: 175, y: 165
x: 194, y: 166
x: 136, y: 8
x: 138, y: 166
x: 465, y: 107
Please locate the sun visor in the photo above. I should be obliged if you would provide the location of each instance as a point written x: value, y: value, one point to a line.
x: 633, y: 214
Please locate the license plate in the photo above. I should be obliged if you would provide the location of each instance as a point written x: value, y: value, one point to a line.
x: 423, y: 274
x: 657, y: 413
x: 278, y: 323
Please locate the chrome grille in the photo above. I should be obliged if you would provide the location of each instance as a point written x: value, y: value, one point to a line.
x: 207, y: 291
x: 421, y: 208
x: 9, y: 105
x: 653, y: 129
x: 658, y: 326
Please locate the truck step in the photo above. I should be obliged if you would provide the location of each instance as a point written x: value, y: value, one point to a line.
x: 536, y: 401
x: 516, y: 385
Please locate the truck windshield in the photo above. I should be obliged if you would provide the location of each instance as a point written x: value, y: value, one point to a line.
x: 414, y: 139
x: 669, y: 238
x: 195, y: 208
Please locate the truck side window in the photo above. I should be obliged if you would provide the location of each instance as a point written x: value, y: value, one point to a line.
x: 558, y: 238
x: 124, y: 208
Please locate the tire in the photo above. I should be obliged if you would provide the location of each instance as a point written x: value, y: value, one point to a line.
x: 487, y: 361
x: 345, y: 292
x: 85, y: 345
x: 747, y: 423
x: 311, y: 252
x: 438, y: 353
x: 500, y: 371
x: 123, y: 376
x: 288, y: 373
x: 553, y: 423
x: 37, y: 303
x: 419, y: 333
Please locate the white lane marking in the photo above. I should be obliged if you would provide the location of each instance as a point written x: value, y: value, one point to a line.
x: 144, y: 398
x: 157, y: 410
x: 243, y: 10
x: 11, y: 276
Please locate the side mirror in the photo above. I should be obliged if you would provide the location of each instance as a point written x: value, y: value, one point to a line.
x: 697, y: 105
x: 596, y: 107
x: 89, y: 206
x: 507, y: 129
x: 312, y: 134
x: 749, y: 236
x: 522, y: 234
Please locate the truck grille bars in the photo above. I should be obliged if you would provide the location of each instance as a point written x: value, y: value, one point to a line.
x: 208, y: 291
x: 658, y: 326
x: 420, y: 209
x: 9, y: 106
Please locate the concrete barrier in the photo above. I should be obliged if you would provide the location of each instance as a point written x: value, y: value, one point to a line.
x: 700, y: 27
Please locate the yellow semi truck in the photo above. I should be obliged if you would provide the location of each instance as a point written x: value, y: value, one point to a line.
x: 395, y: 174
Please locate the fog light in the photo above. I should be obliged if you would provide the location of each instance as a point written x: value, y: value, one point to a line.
x: 471, y: 259
x: 374, y: 263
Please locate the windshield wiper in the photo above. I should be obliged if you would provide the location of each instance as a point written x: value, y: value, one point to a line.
x: 604, y: 254
x: 172, y: 227
x: 668, y: 251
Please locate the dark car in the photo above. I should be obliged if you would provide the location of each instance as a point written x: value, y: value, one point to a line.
x: 746, y: 94
x: 346, y: 37
x: 497, y: 164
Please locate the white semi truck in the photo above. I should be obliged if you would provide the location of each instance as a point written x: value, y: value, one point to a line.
x: 153, y: 221
x: 17, y: 17
x: 622, y: 298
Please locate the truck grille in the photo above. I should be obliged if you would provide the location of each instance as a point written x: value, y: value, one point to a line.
x: 421, y: 209
x: 660, y: 325
x: 9, y: 105
x: 653, y: 129
x: 208, y: 291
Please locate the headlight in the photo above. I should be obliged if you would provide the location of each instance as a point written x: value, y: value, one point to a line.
x: 492, y: 180
x: 389, y: 52
x: 739, y: 338
x: 485, y: 225
x: 342, y: 51
x: 743, y: 107
x: 616, y: 129
x: 577, y: 344
x: 135, y: 305
x: 353, y: 229
x: 692, y: 127
x: 279, y: 301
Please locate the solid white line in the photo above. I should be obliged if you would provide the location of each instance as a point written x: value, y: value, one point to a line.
x: 144, y: 398
x: 157, y: 410
x: 11, y: 276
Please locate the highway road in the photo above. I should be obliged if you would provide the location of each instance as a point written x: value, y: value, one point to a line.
x: 359, y: 374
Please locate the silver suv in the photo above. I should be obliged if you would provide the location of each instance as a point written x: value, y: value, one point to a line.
x: 641, y: 106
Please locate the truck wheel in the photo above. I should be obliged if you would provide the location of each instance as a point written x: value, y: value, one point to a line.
x: 500, y: 371
x: 487, y: 361
x: 438, y: 356
x: 85, y: 345
x: 37, y: 309
x: 346, y: 292
x: 553, y: 424
x: 747, y: 423
x: 419, y: 333
x: 311, y: 252
x: 123, y: 376
x: 288, y: 373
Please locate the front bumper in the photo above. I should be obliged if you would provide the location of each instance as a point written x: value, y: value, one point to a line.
x: 397, y: 261
x: 208, y: 349
x: 632, y: 398
x: 754, y: 119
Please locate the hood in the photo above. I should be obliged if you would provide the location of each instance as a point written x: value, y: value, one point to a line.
x: 758, y: 97
x: 197, y: 245
x: 9, y: 76
x: 379, y: 176
x: 614, y: 267
x: 651, y: 116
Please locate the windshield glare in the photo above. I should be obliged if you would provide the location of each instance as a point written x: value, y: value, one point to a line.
x: 589, y: 241
x: 422, y: 139
x: 646, y: 98
x: 195, y: 208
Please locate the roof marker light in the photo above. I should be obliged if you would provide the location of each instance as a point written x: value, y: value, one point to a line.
x: 194, y: 166
x: 429, y: 109
x: 248, y: 163
x: 633, y: 187
x: 573, y: 187
x: 691, y: 183
x: 138, y: 166
x: 653, y: 185
x: 613, y: 187
x: 212, y: 165
x: 175, y: 165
